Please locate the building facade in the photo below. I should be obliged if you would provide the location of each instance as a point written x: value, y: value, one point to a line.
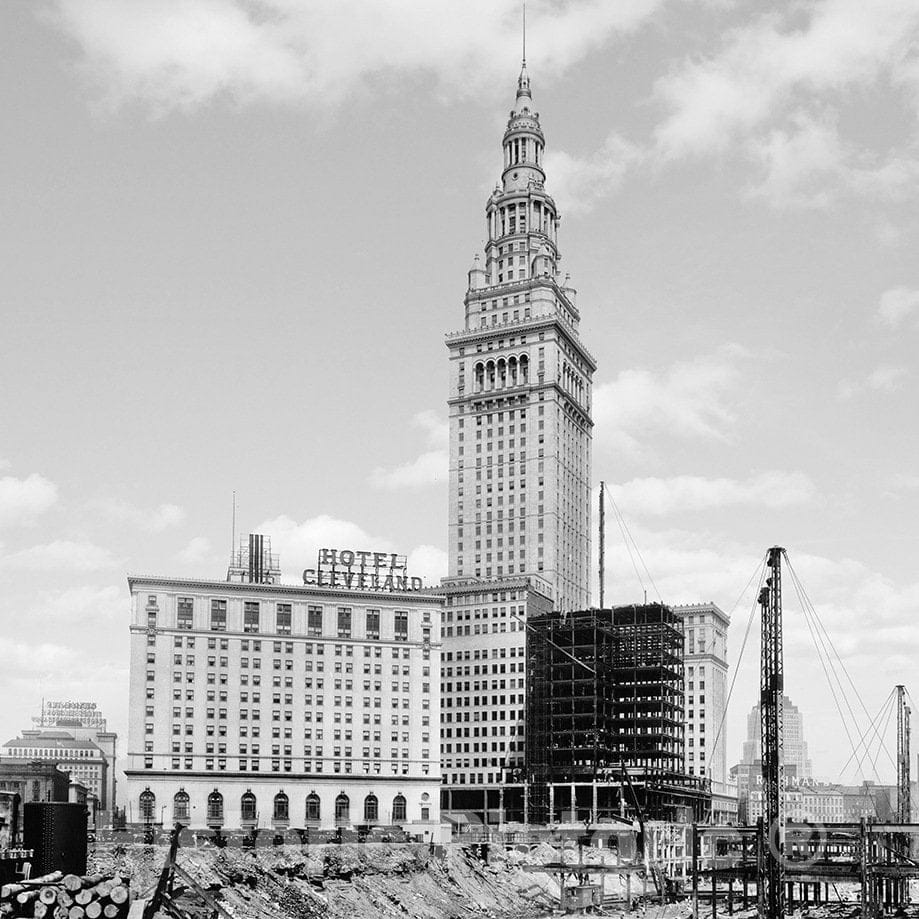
x: 33, y: 780
x: 794, y: 746
x: 258, y: 704
x: 520, y: 453
x: 808, y: 802
x: 82, y: 760
x: 705, y: 629
x: 85, y: 721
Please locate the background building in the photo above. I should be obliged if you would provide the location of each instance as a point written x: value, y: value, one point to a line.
x: 748, y: 773
x: 254, y: 703
x: 85, y: 721
x: 483, y: 689
x: 520, y: 445
x: 33, y: 780
x: 82, y: 760
x: 797, y: 762
x: 705, y: 629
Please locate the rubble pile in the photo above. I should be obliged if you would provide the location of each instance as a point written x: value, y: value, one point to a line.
x: 380, y: 881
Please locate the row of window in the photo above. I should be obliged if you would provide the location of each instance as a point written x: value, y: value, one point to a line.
x: 283, y: 624
x: 249, y: 813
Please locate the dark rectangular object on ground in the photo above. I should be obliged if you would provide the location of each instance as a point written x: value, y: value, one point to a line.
x: 57, y: 833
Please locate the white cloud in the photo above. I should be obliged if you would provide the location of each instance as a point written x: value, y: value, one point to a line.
x: 429, y: 468
x: 904, y: 481
x: 428, y: 563
x: 35, y: 658
x: 885, y: 379
x: 198, y: 551
x: 182, y: 55
x: 578, y: 183
x: 693, y: 493
x: 61, y: 554
x: 22, y: 500
x: 777, y: 87
x: 689, y: 399
x: 152, y: 520
x: 299, y: 543
x: 897, y: 304
x: 78, y: 605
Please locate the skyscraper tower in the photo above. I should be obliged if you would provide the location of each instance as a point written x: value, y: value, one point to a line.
x: 520, y: 438
x: 520, y: 391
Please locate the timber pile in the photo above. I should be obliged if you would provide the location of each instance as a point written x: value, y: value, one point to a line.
x: 66, y: 896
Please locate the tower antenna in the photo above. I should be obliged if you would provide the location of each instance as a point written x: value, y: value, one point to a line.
x: 524, y: 32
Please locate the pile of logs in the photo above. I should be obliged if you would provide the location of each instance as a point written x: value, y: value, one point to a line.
x: 66, y: 896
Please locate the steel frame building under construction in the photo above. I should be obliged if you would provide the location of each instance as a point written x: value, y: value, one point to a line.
x: 605, y: 717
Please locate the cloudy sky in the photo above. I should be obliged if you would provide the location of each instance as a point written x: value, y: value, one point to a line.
x: 234, y: 233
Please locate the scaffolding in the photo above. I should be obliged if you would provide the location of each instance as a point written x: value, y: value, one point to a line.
x: 605, y: 717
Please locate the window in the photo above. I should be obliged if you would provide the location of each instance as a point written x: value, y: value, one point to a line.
x: 401, y: 625
x: 284, y: 619
x: 342, y: 810
x: 184, y: 608
x: 398, y: 809
x: 314, y: 620
x: 250, y: 616
x: 373, y: 623
x: 313, y: 811
x: 215, y: 806
x: 147, y: 804
x: 281, y: 807
x: 247, y: 807
x: 344, y: 622
x: 371, y: 809
x: 219, y: 616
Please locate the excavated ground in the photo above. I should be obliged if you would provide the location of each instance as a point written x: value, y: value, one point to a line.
x: 377, y: 881
x: 390, y: 881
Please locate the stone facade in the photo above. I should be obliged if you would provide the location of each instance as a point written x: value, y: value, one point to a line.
x: 282, y: 692
x: 705, y: 629
x: 520, y: 454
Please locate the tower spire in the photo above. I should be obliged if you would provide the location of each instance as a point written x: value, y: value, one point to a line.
x: 523, y: 83
x: 524, y: 59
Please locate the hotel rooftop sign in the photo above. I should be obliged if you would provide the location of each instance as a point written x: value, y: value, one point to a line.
x: 359, y: 570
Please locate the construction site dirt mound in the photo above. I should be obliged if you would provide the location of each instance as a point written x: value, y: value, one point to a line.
x: 372, y: 881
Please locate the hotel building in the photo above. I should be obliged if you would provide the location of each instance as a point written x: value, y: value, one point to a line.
x: 259, y: 704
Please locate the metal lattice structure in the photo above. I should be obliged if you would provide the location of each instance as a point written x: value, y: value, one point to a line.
x: 772, y: 865
x: 903, y: 792
x: 605, y: 716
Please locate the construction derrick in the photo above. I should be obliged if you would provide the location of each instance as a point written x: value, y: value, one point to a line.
x: 903, y: 795
x: 772, y: 863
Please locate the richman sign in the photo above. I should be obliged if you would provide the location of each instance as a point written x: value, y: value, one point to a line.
x: 357, y: 570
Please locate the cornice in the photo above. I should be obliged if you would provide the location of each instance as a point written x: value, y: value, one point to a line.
x: 276, y: 777
x: 213, y: 586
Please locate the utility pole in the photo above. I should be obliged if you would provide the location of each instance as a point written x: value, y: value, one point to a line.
x: 772, y: 865
x: 602, y: 542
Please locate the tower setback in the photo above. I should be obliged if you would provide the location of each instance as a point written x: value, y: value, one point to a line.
x: 520, y: 441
